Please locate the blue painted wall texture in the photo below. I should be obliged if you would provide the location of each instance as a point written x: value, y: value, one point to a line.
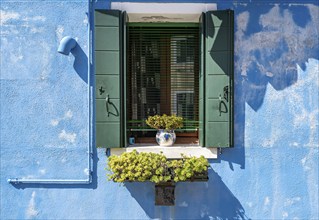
x: 271, y: 173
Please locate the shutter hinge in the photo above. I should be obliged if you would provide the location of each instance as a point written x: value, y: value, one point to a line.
x: 107, y: 151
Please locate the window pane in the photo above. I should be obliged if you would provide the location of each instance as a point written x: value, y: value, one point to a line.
x: 163, y: 65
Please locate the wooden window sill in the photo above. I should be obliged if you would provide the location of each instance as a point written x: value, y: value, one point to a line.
x: 173, y: 152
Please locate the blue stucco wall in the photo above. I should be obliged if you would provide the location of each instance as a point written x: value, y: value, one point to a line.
x: 271, y: 173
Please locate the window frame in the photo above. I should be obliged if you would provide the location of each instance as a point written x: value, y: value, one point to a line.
x: 171, y: 90
x: 122, y: 119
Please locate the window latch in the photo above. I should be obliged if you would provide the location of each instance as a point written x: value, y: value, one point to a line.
x: 107, y: 101
x: 226, y: 93
x: 221, y: 102
x: 220, y: 105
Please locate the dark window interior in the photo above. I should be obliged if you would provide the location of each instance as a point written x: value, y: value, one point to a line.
x: 162, y: 78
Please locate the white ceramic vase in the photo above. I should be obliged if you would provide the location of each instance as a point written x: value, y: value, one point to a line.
x: 165, y: 138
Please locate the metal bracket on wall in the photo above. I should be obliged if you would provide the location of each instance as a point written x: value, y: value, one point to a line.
x: 108, y: 152
x: 165, y: 194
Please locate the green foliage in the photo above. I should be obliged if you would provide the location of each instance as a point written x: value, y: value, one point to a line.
x: 140, y: 167
x: 187, y: 167
x: 165, y: 122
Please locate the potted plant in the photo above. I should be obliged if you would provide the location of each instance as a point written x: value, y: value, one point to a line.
x: 165, y: 126
x: 142, y: 167
x: 138, y: 167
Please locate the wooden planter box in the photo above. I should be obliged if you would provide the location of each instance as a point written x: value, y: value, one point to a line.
x: 165, y: 192
x: 199, y: 177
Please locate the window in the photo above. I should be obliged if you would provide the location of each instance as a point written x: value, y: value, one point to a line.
x: 148, y: 69
x: 162, y: 78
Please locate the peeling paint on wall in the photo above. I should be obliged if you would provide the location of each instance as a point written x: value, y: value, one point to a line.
x: 69, y: 137
x: 7, y: 15
x: 271, y: 55
x: 31, y: 211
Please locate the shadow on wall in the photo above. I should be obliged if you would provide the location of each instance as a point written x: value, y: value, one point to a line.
x: 270, y: 42
x: 80, y: 64
x: 197, y: 200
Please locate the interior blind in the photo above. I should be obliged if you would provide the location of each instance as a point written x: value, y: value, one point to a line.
x: 163, y: 74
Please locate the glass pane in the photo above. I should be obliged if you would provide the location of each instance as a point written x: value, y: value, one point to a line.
x: 163, y: 66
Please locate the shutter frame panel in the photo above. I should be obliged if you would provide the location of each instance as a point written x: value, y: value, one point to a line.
x: 201, y: 104
x: 124, y: 20
x: 219, y: 73
x: 108, y: 77
x: 107, y: 38
x: 103, y: 67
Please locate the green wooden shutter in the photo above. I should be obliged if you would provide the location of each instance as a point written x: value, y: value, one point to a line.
x: 108, y: 78
x: 219, y: 64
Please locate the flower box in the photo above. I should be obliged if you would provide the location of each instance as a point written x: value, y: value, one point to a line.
x: 142, y: 167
